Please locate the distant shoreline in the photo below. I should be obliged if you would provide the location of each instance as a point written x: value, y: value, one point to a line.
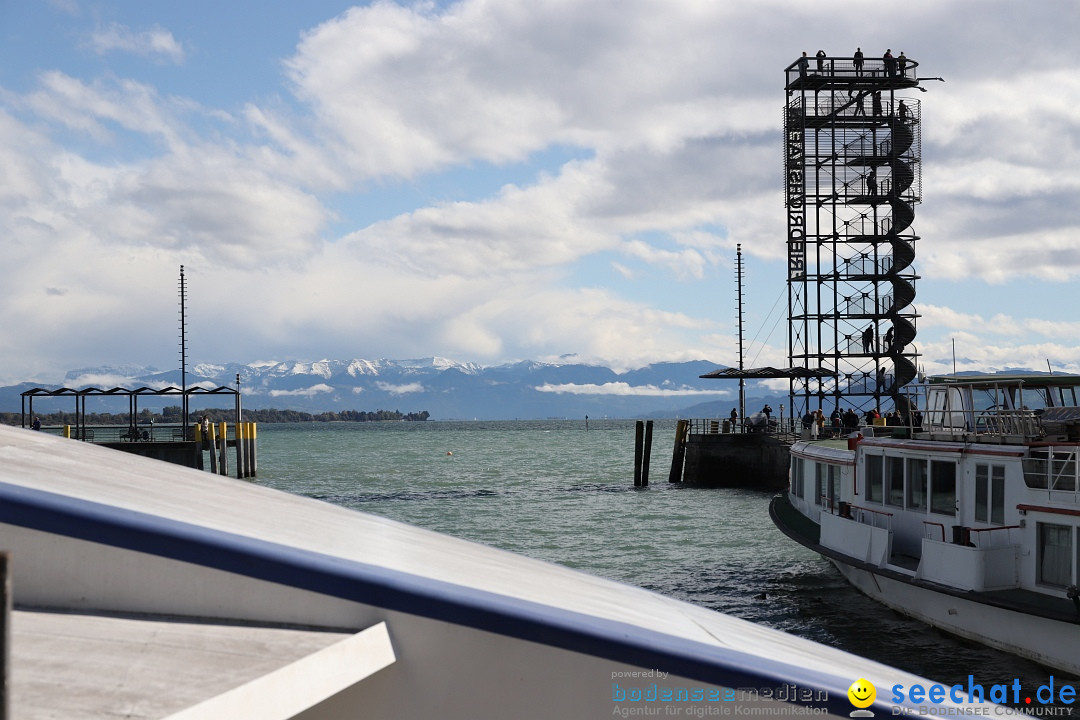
x: 172, y: 415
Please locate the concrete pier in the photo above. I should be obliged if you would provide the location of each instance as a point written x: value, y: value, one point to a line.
x: 749, y: 460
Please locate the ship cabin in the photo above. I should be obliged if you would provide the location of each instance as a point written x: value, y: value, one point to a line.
x: 978, y: 491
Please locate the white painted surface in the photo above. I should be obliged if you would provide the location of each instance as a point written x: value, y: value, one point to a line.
x: 444, y: 668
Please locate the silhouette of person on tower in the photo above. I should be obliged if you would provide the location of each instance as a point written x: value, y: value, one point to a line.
x: 890, y: 63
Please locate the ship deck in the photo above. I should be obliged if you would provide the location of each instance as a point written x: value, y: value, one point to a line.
x: 88, y: 665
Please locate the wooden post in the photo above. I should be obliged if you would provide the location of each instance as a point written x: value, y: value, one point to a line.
x: 238, y: 431
x: 639, y: 433
x: 254, y: 449
x: 648, y: 454
x: 211, y: 445
x: 5, y: 635
x: 224, y: 448
x: 682, y: 429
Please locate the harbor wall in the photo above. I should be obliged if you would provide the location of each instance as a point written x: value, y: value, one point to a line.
x: 748, y: 460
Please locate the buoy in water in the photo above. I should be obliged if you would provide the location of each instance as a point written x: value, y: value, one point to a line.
x: 449, y: 452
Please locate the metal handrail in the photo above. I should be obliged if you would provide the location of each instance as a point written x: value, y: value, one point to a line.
x: 991, y: 529
x: 931, y: 522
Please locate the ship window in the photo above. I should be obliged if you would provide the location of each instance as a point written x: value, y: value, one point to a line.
x: 1055, y: 554
x: 819, y: 482
x: 875, y: 478
x: 916, y: 484
x: 990, y: 494
x: 997, y: 494
x: 943, y: 487
x: 894, y: 480
x: 797, y: 469
x: 834, y: 484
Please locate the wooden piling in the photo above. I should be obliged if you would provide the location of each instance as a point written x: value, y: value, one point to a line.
x: 223, y: 449
x: 211, y: 445
x: 639, y: 444
x: 678, y: 454
x: 254, y: 450
x: 647, y: 454
x: 238, y: 431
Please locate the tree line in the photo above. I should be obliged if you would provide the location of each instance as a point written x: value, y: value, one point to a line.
x: 174, y: 414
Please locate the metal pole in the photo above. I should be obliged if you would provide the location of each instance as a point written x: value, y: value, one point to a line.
x: 739, y: 293
x: 183, y: 351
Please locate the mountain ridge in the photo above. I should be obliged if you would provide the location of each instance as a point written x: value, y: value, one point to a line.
x: 448, y: 389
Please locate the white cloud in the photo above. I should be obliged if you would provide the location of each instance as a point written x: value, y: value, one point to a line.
x: 155, y: 42
x: 511, y: 180
x: 312, y: 391
x: 621, y: 388
x: 403, y: 389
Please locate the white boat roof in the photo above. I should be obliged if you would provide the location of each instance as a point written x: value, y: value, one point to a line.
x: 93, y: 493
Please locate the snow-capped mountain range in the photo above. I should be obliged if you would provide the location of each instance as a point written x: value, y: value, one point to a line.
x: 445, y: 388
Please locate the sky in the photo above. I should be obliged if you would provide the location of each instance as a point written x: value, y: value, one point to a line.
x: 501, y: 180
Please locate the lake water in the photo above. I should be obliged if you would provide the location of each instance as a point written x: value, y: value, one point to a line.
x: 557, y: 491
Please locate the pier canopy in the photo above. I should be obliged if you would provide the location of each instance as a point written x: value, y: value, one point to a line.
x: 767, y: 373
x: 132, y: 396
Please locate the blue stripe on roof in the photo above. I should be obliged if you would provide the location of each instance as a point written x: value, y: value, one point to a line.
x: 408, y: 593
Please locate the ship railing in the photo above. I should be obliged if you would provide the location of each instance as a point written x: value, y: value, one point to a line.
x: 932, y: 528
x: 872, y: 517
x: 992, y: 537
x: 1052, y: 468
x: 1001, y: 421
x: 995, y: 422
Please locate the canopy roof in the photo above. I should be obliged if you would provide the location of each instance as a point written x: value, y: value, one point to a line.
x: 124, y: 392
x: 765, y: 373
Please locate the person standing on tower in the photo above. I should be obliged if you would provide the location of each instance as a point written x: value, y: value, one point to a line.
x: 804, y: 63
x: 868, y: 340
x: 857, y: 61
x: 890, y: 63
x: 902, y: 64
x: 860, y: 107
x: 871, y: 182
x: 820, y: 61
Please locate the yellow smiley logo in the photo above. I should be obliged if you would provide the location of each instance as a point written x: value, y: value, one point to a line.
x: 862, y: 693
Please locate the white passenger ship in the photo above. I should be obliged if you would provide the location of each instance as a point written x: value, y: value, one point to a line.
x: 965, y: 517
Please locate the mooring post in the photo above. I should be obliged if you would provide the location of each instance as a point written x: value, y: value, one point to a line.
x: 211, y: 445
x: 639, y: 436
x: 223, y: 461
x: 5, y: 634
x: 679, y: 452
x: 648, y: 454
x: 254, y: 450
x: 239, y: 433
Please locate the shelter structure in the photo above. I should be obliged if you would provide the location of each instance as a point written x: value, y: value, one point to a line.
x: 81, y: 430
